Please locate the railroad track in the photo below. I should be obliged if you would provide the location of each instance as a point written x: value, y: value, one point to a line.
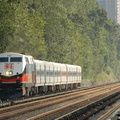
x: 10, y: 102
x: 81, y: 105
x: 82, y: 97
x: 109, y: 113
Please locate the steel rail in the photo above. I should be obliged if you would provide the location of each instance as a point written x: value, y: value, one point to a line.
x: 62, y: 109
x: 7, y: 112
x: 78, y: 93
x: 109, y: 113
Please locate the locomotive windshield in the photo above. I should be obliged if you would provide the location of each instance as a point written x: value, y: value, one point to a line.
x: 16, y: 59
x: 4, y: 59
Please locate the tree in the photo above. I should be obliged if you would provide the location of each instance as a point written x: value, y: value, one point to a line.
x: 29, y: 32
x: 6, y: 24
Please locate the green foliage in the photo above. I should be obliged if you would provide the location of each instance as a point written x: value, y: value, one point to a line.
x: 102, y: 77
x: 6, y: 25
x: 28, y: 28
x: 72, y: 32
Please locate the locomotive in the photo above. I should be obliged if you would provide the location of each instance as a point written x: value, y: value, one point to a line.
x: 22, y: 75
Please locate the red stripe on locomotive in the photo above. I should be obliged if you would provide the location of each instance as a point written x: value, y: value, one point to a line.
x: 25, y: 78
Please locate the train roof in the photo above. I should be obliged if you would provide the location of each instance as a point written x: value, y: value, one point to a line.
x: 55, y: 63
x: 36, y: 60
x: 13, y: 53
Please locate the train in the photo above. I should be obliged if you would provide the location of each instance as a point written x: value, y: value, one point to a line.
x: 22, y: 75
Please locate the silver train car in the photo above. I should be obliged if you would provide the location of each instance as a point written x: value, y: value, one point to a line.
x: 22, y: 75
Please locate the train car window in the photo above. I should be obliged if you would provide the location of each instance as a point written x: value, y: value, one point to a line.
x: 51, y: 73
x: 38, y: 72
x: 4, y: 59
x: 42, y: 73
x: 16, y: 59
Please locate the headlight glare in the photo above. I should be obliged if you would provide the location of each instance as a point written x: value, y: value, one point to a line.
x: 8, y: 72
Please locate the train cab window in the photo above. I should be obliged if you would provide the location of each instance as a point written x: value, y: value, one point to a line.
x: 26, y: 60
x: 16, y: 59
x: 4, y: 59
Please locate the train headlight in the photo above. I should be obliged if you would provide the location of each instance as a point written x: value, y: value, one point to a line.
x: 8, y: 72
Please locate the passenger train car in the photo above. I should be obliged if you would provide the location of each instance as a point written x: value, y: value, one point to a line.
x: 22, y: 75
